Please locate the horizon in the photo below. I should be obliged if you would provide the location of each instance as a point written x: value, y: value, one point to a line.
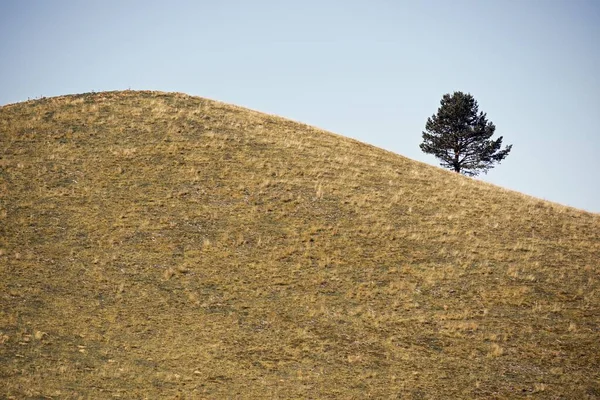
x: 373, y: 72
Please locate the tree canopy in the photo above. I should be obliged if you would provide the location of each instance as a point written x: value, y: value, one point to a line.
x: 459, y: 135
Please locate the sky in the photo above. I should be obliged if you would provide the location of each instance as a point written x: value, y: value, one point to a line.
x: 371, y: 70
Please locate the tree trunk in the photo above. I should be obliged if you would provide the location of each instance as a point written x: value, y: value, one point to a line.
x: 456, y: 163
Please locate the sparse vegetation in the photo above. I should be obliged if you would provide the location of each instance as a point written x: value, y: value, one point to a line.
x: 158, y: 245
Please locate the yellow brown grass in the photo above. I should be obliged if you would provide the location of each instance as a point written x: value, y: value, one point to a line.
x: 156, y: 245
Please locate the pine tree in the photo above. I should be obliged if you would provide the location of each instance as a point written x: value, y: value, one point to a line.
x: 459, y: 135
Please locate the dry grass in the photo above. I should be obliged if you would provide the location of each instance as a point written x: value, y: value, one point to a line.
x: 158, y: 245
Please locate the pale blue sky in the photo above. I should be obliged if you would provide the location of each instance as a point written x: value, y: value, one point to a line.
x: 372, y: 70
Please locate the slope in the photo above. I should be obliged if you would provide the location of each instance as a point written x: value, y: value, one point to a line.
x: 158, y: 245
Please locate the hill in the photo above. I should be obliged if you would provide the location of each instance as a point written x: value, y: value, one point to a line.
x: 158, y: 245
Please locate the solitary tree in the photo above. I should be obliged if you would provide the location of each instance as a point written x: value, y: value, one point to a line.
x: 459, y: 135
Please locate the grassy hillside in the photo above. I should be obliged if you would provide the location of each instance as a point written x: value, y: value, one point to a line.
x: 159, y: 245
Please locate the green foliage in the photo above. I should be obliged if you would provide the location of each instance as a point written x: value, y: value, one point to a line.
x: 459, y: 135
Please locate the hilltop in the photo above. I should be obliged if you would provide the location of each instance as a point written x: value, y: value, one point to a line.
x: 158, y: 245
